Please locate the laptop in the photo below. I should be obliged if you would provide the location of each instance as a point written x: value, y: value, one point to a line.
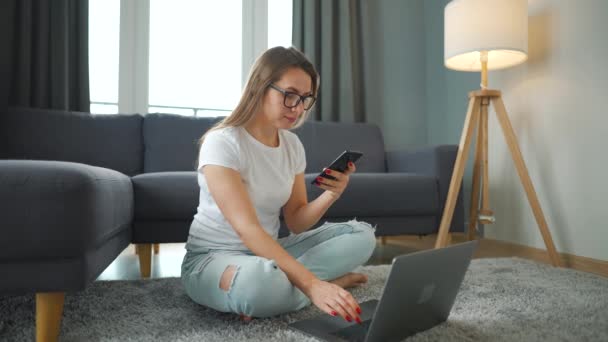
x: 418, y: 294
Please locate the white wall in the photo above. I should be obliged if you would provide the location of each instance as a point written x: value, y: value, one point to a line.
x: 558, y: 105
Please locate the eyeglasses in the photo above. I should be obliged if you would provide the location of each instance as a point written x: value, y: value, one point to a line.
x: 291, y: 100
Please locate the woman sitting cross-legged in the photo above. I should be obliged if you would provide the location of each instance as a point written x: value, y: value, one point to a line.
x: 250, y: 168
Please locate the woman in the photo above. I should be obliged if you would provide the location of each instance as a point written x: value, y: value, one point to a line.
x: 250, y: 167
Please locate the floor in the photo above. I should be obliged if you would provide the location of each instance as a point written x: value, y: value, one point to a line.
x: 167, y: 263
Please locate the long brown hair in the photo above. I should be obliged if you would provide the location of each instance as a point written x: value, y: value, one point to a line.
x: 268, y: 68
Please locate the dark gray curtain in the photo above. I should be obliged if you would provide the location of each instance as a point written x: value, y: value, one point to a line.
x: 330, y: 33
x: 46, y: 61
x: 6, y: 32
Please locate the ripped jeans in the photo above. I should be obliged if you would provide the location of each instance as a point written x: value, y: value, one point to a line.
x: 259, y: 288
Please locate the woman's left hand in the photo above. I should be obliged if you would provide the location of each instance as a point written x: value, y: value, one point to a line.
x: 337, y: 186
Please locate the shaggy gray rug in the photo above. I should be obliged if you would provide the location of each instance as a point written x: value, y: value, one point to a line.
x: 507, y: 299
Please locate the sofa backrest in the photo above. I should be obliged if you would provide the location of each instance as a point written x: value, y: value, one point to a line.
x: 324, y: 141
x: 134, y: 144
x: 171, y: 141
x: 110, y: 141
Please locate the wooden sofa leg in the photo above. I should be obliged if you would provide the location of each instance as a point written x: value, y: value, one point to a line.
x: 144, y: 251
x: 49, y: 310
x: 156, y: 248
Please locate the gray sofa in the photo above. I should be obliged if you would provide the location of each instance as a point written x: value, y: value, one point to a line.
x: 76, y: 189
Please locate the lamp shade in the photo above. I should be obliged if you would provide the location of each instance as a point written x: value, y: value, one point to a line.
x: 499, y: 27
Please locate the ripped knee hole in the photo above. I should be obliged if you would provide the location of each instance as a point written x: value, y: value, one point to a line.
x: 227, y: 277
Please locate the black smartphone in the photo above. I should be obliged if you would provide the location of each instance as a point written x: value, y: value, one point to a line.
x: 340, y: 164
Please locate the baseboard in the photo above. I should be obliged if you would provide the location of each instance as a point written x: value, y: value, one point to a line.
x: 491, y: 248
x: 540, y: 255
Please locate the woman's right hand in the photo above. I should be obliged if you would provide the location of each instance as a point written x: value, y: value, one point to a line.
x: 334, y: 300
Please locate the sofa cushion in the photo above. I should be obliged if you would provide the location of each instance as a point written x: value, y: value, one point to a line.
x: 174, y: 195
x: 165, y: 195
x: 109, y: 141
x: 54, y: 209
x: 383, y: 194
x: 171, y: 141
x: 324, y: 141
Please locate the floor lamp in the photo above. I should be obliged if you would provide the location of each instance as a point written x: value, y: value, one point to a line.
x: 482, y: 35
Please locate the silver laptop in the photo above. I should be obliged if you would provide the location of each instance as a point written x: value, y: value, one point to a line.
x: 418, y: 294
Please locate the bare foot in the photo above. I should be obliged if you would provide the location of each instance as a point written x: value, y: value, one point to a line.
x: 245, y: 319
x: 350, y: 279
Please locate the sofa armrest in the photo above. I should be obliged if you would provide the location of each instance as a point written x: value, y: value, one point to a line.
x: 56, y: 209
x: 436, y: 160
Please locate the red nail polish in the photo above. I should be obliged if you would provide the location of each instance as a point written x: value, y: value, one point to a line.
x: 349, y: 319
x: 358, y: 320
x: 350, y: 163
x: 333, y: 313
x: 319, y: 178
x: 359, y: 310
x: 328, y: 171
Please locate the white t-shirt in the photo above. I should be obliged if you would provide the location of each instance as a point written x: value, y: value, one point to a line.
x: 268, y: 174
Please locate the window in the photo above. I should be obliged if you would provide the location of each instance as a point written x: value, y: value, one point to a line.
x: 193, y: 50
x: 197, y: 58
x: 280, y: 19
x: 104, y: 22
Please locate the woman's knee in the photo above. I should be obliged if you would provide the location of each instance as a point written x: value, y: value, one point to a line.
x: 227, y: 277
x: 259, y: 288
x: 364, y: 235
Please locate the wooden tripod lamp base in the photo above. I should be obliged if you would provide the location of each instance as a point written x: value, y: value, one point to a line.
x: 477, y: 116
x: 482, y: 35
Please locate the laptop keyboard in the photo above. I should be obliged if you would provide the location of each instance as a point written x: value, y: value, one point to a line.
x: 355, y: 332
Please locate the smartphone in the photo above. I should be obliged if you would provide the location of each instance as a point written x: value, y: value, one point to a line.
x: 340, y: 164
